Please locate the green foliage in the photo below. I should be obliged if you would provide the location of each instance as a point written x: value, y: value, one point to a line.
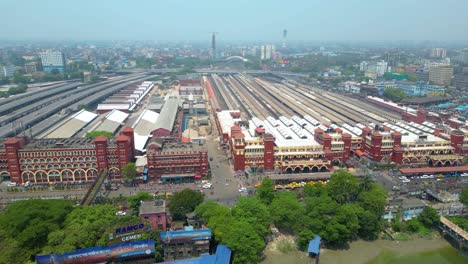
x: 464, y: 196
x: 83, y: 227
x: 129, y: 172
x: 413, y: 225
x: 303, y: 238
x: 25, y: 225
x: 21, y: 88
x: 373, y: 199
x: 184, y: 202
x: 266, y: 191
x: 429, y: 217
x: 317, y: 189
x: 85, y: 107
x: 286, y: 211
x: 242, y: 229
x: 244, y: 241
x: 394, y: 94
x: 285, y: 246
x: 461, y: 221
x: 94, y: 134
x: 343, y: 187
x: 135, y: 201
x: 254, y: 212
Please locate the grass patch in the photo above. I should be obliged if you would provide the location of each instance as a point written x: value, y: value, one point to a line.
x: 402, y: 237
x: 285, y: 246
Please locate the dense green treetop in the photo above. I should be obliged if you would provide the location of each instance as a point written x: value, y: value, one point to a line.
x: 184, y: 202
x: 25, y: 225
x: 266, y: 191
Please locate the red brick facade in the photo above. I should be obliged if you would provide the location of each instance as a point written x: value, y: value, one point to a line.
x: 65, y: 160
x: 176, y: 160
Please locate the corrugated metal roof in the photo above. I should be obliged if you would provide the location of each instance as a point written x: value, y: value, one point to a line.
x: 117, y: 116
x: 168, y: 114
x: 73, y: 125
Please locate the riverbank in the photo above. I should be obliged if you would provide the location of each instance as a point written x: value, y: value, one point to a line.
x: 414, y: 251
x: 382, y: 251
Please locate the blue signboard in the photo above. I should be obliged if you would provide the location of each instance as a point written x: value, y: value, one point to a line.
x: 129, y: 250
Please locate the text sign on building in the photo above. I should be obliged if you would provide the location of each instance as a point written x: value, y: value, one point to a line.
x: 128, y: 233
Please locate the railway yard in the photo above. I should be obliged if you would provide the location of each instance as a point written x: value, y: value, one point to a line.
x: 270, y: 97
x: 35, y: 112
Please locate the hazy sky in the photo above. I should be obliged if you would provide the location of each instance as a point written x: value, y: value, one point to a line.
x: 234, y: 19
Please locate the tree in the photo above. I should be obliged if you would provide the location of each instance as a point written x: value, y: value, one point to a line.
x: 286, y: 211
x: 373, y: 199
x: 464, y: 196
x: 129, y: 172
x: 429, y: 216
x: 413, y: 225
x: 254, y: 212
x: 97, y: 133
x: 370, y: 225
x: 244, y: 241
x: 394, y: 94
x: 184, y: 202
x: 303, y: 238
x: 25, y: 226
x: 314, y: 190
x: 85, y: 227
x: 216, y: 216
x: 135, y: 200
x: 266, y: 191
x: 343, y: 187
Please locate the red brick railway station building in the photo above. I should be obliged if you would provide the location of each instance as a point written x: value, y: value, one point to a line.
x: 65, y: 160
x: 273, y: 147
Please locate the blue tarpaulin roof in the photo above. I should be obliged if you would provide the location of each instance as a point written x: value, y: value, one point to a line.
x: 222, y: 256
x: 314, y: 245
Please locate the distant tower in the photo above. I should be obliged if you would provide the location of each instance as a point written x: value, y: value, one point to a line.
x: 285, y: 35
x: 213, y: 45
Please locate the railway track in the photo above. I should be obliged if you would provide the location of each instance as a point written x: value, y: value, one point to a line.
x: 311, y: 101
x: 297, y: 105
x: 254, y: 108
x: 230, y: 101
x: 271, y: 102
x: 330, y: 103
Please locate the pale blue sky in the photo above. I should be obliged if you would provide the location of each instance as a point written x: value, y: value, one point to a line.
x: 234, y: 20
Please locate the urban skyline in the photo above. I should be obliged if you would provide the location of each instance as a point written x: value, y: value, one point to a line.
x: 176, y: 20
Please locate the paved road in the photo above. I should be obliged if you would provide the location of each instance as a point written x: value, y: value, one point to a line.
x: 225, y: 186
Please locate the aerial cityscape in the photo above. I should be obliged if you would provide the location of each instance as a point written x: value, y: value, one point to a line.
x: 235, y: 132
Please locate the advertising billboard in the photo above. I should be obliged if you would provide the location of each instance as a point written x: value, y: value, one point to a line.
x: 131, y: 250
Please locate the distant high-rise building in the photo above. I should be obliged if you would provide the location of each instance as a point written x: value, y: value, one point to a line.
x: 441, y: 75
x: 463, y: 58
x: 363, y: 66
x: 379, y: 68
x: 438, y: 53
x: 262, y: 52
x: 30, y: 67
x: 285, y: 36
x: 8, y: 71
x: 460, y: 80
x: 52, y: 60
x: 213, y: 45
x: 268, y: 52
